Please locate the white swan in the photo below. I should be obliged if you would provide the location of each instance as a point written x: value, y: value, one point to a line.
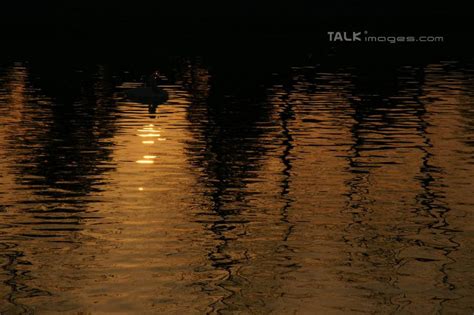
x: 150, y: 94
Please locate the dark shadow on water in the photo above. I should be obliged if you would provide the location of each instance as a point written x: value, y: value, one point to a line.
x: 62, y: 149
x: 227, y: 148
x: 374, y: 98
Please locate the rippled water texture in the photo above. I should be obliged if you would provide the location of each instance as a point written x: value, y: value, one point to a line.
x: 310, y: 190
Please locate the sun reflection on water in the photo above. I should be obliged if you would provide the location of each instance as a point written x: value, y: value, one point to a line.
x: 145, y: 161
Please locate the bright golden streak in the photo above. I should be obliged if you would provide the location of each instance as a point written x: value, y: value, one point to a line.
x: 149, y: 156
x: 150, y: 135
x: 147, y: 130
x: 140, y: 188
x: 148, y: 142
x: 145, y: 162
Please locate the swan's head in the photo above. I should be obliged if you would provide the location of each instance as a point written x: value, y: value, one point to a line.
x: 156, y: 75
x: 154, y: 79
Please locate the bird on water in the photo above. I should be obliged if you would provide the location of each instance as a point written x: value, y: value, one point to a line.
x: 150, y: 94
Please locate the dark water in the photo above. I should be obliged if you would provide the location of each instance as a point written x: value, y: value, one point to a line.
x: 309, y: 189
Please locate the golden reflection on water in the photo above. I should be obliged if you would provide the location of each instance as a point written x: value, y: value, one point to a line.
x: 145, y: 162
x: 327, y: 192
x: 149, y: 135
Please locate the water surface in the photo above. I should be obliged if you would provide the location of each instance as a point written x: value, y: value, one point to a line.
x: 309, y: 190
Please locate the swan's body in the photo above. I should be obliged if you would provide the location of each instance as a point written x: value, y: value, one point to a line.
x: 147, y: 95
x: 150, y: 94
